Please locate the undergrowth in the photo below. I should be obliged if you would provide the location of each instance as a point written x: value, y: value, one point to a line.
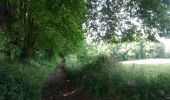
x: 102, y: 77
x: 109, y: 80
x: 21, y: 81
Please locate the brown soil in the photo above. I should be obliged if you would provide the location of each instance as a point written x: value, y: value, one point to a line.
x: 59, y: 87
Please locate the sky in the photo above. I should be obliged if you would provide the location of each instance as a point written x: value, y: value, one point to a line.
x: 166, y: 42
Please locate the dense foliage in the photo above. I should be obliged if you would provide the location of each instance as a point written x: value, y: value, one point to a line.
x: 21, y: 81
x: 45, y: 27
x: 109, y: 20
x: 106, y: 79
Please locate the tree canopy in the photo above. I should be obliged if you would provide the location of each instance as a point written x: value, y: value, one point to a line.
x: 30, y: 27
x: 108, y: 19
x: 49, y: 27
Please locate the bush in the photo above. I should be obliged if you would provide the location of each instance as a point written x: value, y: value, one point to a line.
x: 105, y: 79
x: 21, y: 81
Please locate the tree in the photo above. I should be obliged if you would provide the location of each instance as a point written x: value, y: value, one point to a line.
x: 42, y: 26
x: 109, y: 19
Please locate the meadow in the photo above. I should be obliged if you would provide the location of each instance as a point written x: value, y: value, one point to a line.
x: 110, y: 80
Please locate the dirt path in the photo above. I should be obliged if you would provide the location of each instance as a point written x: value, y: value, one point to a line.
x: 58, y: 86
x: 54, y: 91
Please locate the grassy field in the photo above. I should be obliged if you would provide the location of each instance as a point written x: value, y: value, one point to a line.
x: 150, y: 67
x: 110, y: 80
x: 151, y: 81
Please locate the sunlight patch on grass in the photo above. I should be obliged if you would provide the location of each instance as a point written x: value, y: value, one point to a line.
x: 148, y: 61
x: 149, y: 67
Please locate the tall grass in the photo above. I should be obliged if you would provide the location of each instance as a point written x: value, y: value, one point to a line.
x: 21, y: 81
x: 100, y: 76
x: 109, y: 80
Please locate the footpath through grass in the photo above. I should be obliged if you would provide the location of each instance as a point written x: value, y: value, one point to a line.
x: 102, y: 79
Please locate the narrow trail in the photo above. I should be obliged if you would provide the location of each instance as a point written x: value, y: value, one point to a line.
x: 59, y: 87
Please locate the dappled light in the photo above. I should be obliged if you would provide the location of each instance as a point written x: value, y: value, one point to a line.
x: 84, y: 49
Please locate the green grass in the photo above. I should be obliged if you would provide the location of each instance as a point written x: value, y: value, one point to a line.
x: 151, y: 70
x: 152, y: 81
x: 102, y: 77
x: 107, y: 79
x: 22, y: 81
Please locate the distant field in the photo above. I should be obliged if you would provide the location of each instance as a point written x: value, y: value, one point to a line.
x: 151, y: 67
x: 148, y: 61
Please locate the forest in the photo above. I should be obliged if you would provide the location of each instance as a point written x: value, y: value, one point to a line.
x: 84, y: 50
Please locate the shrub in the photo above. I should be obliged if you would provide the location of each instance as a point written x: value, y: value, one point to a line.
x: 21, y: 81
x: 112, y: 80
